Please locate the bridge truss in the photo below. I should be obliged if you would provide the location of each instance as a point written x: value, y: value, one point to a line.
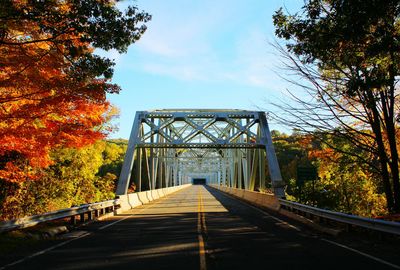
x: 227, y: 147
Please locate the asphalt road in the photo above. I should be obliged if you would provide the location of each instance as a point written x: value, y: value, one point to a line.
x: 196, y: 228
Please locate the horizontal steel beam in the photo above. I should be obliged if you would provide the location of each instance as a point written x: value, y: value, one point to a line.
x: 200, y: 145
x: 200, y: 113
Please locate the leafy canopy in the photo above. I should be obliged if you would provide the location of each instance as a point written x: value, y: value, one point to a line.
x: 348, y: 50
x: 52, y: 85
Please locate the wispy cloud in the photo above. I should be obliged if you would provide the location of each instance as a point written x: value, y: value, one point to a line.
x: 181, y: 72
x: 199, y: 53
x: 208, y: 44
x: 183, y: 31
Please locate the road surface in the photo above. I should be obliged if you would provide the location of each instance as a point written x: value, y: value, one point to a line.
x: 197, y: 228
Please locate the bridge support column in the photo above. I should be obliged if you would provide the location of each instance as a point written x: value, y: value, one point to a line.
x: 126, y: 171
x: 273, y: 166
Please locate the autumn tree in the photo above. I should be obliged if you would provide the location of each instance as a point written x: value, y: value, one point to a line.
x: 290, y: 152
x: 342, y: 184
x: 52, y: 85
x: 348, y: 53
x: 77, y: 175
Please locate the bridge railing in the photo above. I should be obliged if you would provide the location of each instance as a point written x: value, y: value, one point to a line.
x: 283, y: 207
x: 346, y: 219
x: 86, y: 211
x: 93, y: 210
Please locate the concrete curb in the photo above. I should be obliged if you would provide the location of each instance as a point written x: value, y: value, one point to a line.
x: 270, y: 202
x: 133, y: 200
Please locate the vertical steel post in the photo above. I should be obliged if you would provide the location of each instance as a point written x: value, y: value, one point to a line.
x: 232, y: 168
x: 175, y: 172
x: 245, y: 172
x: 123, y: 182
x: 273, y: 166
x: 253, y: 172
x: 261, y: 160
x: 139, y: 168
x: 152, y: 161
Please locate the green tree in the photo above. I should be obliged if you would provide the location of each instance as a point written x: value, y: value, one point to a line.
x: 290, y: 153
x: 72, y: 28
x: 343, y: 184
x: 113, y: 156
x: 348, y: 52
x: 77, y: 176
x: 53, y: 85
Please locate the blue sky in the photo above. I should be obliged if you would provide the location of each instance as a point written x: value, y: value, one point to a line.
x: 201, y: 54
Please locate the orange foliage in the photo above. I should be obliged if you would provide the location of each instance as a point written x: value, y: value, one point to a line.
x: 41, y: 105
x: 323, y: 154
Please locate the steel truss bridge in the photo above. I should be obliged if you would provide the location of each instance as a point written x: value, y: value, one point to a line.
x: 227, y: 147
x: 170, y: 223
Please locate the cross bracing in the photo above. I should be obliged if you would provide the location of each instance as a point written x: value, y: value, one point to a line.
x: 200, y: 130
x: 228, y: 147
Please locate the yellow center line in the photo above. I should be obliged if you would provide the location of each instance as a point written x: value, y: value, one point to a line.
x: 200, y: 228
x: 203, y: 214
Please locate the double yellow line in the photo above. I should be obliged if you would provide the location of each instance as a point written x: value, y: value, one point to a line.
x: 201, y: 229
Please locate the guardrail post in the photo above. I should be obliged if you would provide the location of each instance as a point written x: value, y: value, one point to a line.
x: 90, y: 215
x: 73, y: 220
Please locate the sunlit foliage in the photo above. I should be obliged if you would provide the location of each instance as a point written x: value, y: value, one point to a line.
x: 77, y: 176
x: 343, y: 184
x: 347, y: 55
x: 52, y: 86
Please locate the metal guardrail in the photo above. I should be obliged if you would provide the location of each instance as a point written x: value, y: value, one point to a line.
x: 105, y: 206
x: 368, y: 223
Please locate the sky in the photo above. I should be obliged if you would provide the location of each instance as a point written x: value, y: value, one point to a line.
x: 209, y: 54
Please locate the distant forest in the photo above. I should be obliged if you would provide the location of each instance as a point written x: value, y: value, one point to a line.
x: 89, y: 174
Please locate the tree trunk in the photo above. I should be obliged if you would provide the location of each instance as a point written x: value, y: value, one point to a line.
x: 394, y: 166
x: 383, y: 158
x: 389, y: 118
x: 394, y: 162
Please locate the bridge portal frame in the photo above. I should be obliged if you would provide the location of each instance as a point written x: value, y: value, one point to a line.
x: 232, y: 134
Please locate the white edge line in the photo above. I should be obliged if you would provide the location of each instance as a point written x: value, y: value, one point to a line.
x: 331, y: 242
x: 112, y: 223
x: 81, y: 236
x: 261, y: 211
x: 43, y: 251
x: 362, y: 253
x: 275, y: 218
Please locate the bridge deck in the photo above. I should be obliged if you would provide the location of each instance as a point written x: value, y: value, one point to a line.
x: 197, y: 228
